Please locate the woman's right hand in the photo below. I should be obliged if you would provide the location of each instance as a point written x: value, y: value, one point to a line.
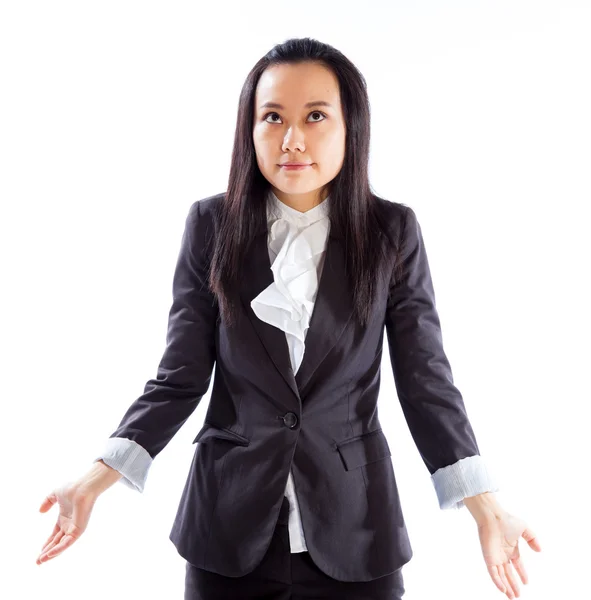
x: 75, y: 505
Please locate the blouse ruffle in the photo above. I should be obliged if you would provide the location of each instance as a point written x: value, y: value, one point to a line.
x: 297, y: 241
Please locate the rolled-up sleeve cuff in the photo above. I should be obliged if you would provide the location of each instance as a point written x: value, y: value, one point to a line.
x: 467, y: 477
x: 129, y: 458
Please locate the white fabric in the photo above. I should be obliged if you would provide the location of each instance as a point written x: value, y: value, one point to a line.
x: 297, y: 242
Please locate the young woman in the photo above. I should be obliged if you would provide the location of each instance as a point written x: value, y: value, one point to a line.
x: 286, y: 283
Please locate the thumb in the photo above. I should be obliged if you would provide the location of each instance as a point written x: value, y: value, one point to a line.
x: 530, y: 537
x: 48, y: 502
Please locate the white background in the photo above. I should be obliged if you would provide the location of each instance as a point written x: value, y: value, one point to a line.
x: 116, y: 116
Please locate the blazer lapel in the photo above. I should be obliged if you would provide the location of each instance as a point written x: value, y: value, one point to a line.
x: 333, y: 308
x: 332, y: 311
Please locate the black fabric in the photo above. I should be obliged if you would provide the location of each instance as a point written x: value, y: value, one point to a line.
x: 282, y: 575
x: 321, y: 423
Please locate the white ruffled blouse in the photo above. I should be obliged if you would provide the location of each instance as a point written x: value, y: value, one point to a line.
x: 297, y: 243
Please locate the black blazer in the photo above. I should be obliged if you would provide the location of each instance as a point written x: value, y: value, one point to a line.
x: 323, y: 423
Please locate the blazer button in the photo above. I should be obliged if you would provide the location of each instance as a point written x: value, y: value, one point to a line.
x: 290, y: 420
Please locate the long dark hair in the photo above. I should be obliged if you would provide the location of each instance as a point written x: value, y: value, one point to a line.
x: 353, y: 211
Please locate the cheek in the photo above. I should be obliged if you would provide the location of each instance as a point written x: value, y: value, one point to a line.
x: 264, y: 145
x: 334, y: 147
x: 261, y: 148
x: 339, y: 138
x: 333, y: 138
x: 266, y: 162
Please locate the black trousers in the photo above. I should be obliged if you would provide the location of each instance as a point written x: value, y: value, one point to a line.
x: 282, y: 575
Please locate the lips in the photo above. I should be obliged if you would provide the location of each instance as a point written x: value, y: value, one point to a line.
x: 290, y: 167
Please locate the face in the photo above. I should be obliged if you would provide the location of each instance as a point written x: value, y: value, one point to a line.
x: 288, y: 128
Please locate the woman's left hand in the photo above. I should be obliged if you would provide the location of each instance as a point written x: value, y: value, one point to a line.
x: 499, y: 536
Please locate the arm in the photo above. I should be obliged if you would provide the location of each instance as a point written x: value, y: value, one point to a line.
x: 100, y: 477
x: 129, y: 459
x: 432, y: 405
x: 184, y: 372
x: 484, y: 507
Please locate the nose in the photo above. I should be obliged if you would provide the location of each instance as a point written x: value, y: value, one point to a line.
x: 293, y: 140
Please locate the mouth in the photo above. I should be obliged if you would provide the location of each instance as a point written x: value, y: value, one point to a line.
x: 295, y: 166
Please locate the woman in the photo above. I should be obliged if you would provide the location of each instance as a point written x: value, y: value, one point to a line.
x: 286, y: 283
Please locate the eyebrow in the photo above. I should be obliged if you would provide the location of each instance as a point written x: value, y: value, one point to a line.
x: 308, y: 105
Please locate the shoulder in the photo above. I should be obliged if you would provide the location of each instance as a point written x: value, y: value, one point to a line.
x: 393, y: 210
x: 202, y: 217
x: 200, y: 223
x: 206, y: 209
x: 395, y: 216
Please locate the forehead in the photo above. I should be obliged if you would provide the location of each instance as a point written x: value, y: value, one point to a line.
x: 292, y: 86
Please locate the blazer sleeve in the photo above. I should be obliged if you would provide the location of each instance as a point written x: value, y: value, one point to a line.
x: 185, y: 369
x: 432, y: 405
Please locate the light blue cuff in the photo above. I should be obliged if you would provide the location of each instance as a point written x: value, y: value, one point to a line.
x: 130, y: 459
x: 467, y: 477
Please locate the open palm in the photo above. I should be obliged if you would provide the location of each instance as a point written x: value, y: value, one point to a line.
x: 499, y: 539
x: 75, y: 507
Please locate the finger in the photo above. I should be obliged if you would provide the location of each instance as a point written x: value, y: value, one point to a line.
x: 511, y: 578
x: 55, y: 530
x: 53, y: 541
x: 48, y: 503
x: 508, y: 588
x: 530, y: 537
x: 66, y: 541
x: 519, y: 567
x: 494, y: 573
x: 52, y: 544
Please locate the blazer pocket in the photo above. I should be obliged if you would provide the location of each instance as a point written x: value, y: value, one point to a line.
x: 361, y: 450
x: 210, y: 431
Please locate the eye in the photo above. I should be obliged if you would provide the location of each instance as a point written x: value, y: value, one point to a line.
x: 314, y: 112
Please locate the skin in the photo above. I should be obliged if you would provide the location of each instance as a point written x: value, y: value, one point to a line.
x: 499, y: 533
x: 75, y: 500
x: 299, y: 133
x: 295, y: 132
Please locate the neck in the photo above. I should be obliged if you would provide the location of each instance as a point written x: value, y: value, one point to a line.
x: 301, y: 202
